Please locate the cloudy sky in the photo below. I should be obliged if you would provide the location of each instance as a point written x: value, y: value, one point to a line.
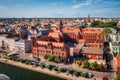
x: 59, y: 8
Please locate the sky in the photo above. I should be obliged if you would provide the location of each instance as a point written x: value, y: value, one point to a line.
x: 59, y: 8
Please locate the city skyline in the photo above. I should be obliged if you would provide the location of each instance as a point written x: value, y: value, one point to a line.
x: 59, y: 8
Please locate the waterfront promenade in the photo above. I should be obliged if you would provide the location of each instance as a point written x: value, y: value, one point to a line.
x: 45, y: 71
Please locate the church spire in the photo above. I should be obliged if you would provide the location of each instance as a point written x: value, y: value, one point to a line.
x: 89, y: 20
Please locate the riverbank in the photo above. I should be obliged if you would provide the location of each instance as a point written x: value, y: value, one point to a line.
x: 40, y: 70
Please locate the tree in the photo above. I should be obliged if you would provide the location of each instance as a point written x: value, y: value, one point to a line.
x: 51, y: 58
x: 58, y: 59
x: 86, y: 64
x: 69, y: 71
x: 46, y: 57
x: 83, y: 74
x: 99, y: 24
x: 55, y: 68
x: 106, y: 32
x: 76, y: 73
x: 36, y: 25
x: 101, y: 67
x: 94, y: 66
x: 42, y: 65
x: 49, y: 67
x: 61, y: 69
x: 95, y: 23
x: 118, y: 77
x: 79, y: 62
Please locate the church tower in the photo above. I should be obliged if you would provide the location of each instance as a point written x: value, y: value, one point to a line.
x: 89, y: 19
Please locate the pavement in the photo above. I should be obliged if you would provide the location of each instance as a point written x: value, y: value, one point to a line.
x: 71, y: 66
x: 45, y: 71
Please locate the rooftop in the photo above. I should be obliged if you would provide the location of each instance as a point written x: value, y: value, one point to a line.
x: 92, y: 50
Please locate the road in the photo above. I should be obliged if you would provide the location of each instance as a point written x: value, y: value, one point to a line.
x: 71, y: 66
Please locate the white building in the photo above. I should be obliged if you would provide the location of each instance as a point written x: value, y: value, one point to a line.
x: 8, y: 42
x: 115, y: 37
x: 23, y: 46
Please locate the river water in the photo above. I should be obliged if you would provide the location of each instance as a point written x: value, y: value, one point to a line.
x: 16, y: 73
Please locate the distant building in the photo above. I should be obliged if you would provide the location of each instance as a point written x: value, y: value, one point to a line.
x: 42, y: 32
x: 23, y: 46
x: 115, y: 47
x: 115, y: 43
x: 115, y: 37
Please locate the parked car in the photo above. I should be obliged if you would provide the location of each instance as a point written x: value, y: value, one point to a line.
x: 89, y: 75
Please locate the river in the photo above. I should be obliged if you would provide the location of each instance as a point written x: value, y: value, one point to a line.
x: 16, y: 73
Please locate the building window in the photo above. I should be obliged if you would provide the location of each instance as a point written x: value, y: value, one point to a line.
x: 97, y: 57
x: 62, y: 54
x: 89, y: 56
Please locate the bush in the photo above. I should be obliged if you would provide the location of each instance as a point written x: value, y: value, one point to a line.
x: 83, y: 74
x: 70, y: 71
x: 118, y: 77
x: 61, y: 69
x: 55, y: 68
x: 49, y: 67
x: 42, y: 65
x: 94, y: 66
x: 76, y: 73
x: 86, y: 64
x: 46, y: 57
x: 101, y: 68
x: 79, y: 63
x: 51, y: 58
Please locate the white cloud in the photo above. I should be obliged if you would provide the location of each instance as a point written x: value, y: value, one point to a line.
x: 55, y: 3
x: 85, y: 3
x: 18, y: 5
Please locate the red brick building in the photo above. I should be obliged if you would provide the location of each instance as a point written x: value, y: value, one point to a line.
x: 56, y: 43
x: 118, y: 65
x: 42, y: 48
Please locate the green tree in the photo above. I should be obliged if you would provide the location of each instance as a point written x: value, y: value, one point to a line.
x: 42, y: 65
x: 55, y: 68
x: 99, y: 24
x: 69, y: 71
x: 46, y: 57
x: 49, y: 67
x: 76, y: 73
x: 36, y: 25
x: 95, y: 23
x: 61, y: 69
x: 58, y: 58
x: 83, y: 74
x: 86, y: 64
x: 118, y: 77
x: 79, y: 62
x: 94, y: 66
x: 51, y: 58
x: 106, y: 33
x: 101, y: 67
